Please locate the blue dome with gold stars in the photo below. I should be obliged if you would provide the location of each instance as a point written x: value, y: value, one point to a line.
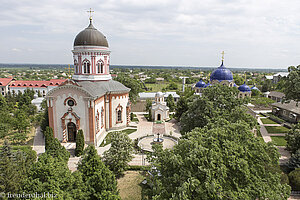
x: 200, y: 83
x: 244, y: 88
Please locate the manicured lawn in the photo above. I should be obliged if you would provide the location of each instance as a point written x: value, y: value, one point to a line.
x: 267, y: 121
x: 158, y: 87
x: 110, y: 134
x: 276, y: 129
x: 278, y: 140
x: 130, y: 185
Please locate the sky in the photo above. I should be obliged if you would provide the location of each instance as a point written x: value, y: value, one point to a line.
x: 253, y: 33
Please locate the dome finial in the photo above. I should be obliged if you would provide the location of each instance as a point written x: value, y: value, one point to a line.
x: 90, y: 11
x: 223, y: 56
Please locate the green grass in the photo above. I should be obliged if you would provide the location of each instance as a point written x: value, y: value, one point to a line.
x: 276, y: 129
x: 130, y: 185
x: 157, y: 87
x: 278, y: 140
x: 110, y: 134
x: 135, y: 120
x: 267, y: 121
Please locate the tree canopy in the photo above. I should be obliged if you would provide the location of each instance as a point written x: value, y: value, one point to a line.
x: 222, y: 160
x: 217, y: 101
x: 292, y: 84
x: 134, y: 85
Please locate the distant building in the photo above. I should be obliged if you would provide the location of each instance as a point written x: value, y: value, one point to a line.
x: 159, y: 79
x: 4, y: 83
x: 276, y: 96
x: 222, y: 76
x: 288, y: 111
x: 143, y: 96
x: 278, y: 76
x: 42, y: 87
x: 159, y: 109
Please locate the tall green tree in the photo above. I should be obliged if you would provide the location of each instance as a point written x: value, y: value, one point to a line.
x: 171, y: 103
x: 222, y: 160
x: 294, y: 161
x: 119, y: 154
x: 51, y: 175
x: 100, y: 181
x: 292, y: 84
x: 79, y: 143
x: 293, y: 139
x: 217, y: 101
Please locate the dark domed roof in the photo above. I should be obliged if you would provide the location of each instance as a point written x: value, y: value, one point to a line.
x: 221, y: 74
x: 200, y: 84
x: 90, y: 36
x: 244, y: 88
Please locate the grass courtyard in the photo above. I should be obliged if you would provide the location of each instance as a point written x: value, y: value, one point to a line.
x: 278, y: 140
x: 130, y: 185
x: 267, y: 121
x: 276, y: 129
x: 110, y: 134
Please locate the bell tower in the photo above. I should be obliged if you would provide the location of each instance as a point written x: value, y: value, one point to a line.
x: 91, y: 55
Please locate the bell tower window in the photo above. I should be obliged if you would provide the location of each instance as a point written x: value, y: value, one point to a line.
x: 76, y: 66
x: 86, y: 67
x: 100, y: 67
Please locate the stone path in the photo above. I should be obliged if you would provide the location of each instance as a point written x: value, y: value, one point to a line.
x: 39, y: 142
x: 285, y: 155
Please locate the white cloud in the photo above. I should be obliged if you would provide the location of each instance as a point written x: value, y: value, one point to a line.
x: 254, y: 32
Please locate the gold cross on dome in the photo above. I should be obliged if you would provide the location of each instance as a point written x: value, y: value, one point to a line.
x: 223, y: 55
x: 90, y: 11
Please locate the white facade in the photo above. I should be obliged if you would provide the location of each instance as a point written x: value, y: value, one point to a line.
x: 159, y: 109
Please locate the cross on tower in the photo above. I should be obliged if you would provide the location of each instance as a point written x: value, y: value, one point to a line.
x: 90, y: 11
x: 223, y: 55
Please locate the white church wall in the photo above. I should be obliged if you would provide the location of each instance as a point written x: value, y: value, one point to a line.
x: 80, y: 109
x: 122, y: 100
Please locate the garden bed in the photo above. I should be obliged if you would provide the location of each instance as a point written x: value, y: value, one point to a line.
x: 278, y: 140
x: 267, y: 121
x: 276, y: 129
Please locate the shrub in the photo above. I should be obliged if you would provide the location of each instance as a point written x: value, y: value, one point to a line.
x: 79, y: 143
x: 294, y: 178
x: 48, y: 135
x: 294, y: 161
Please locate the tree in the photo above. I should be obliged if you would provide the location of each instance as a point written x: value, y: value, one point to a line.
x: 223, y: 160
x: 119, y: 154
x: 267, y: 85
x: 14, y: 167
x: 79, y: 143
x: 255, y: 93
x: 182, y: 104
x: 51, y: 175
x: 292, y: 84
x: 294, y: 161
x: 99, y: 180
x: 148, y: 105
x: 134, y: 85
x: 48, y: 135
x: 294, y: 178
x: 170, y: 103
x: 172, y: 86
x: 293, y: 139
x: 21, y: 124
x: 217, y: 101
x: 56, y: 150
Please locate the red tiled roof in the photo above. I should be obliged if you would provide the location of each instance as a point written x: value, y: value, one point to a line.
x: 27, y: 84
x: 5, y: 81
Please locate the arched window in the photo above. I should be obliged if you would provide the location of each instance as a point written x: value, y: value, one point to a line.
x: 119, y: 115
x: 119, y: 110
x: 100, y: 67
x: 97, y: 121
x: 102, y: 117
x: 76, y: 66
x: 86, y: 67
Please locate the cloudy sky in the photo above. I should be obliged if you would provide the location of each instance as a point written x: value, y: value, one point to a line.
x: 253, y: 33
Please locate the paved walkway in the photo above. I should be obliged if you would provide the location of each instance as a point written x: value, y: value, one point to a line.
x: 285, y: 155
x: 39, y: 142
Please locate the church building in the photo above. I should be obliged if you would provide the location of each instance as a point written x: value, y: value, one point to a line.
x: 91, y: 100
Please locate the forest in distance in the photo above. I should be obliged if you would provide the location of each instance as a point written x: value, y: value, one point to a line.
x: 63, y: 66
